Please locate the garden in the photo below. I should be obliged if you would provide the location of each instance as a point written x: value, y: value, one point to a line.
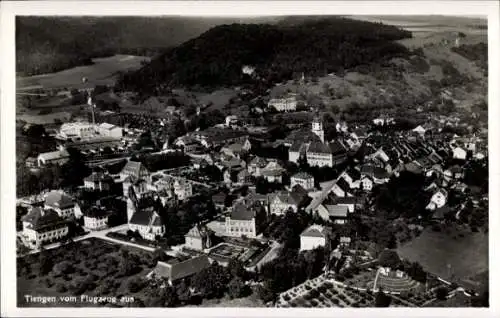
x: 92, y: 267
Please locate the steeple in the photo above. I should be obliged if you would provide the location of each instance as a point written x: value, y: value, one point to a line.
x: 317, y: 127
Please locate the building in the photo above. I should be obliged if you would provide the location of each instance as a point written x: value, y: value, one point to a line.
x: 304, y: 179
x: 77, y: 130
x: 287, y: 104
x: 313, y: 148
x: 58, y: 157
x: 134, y: 170
x: 256, y: 165
x: 147, y: 222
x: 242, y: 221
x: 61, y: 203
x: 43, y: 226
x: 313, y: 237
x: 272, y: 172
x: 95, y: 218
x: 459, y: 153
x: 99, y: 181
x: 198, y: 238
x: 438, y: 200
x: 282, y: 201
x: 109, y: 130
x: 174, y: 271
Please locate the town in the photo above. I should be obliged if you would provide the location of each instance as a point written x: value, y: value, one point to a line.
x: 276, y: 199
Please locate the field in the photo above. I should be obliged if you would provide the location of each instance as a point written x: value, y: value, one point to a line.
x: 465, y: 252
x: 91, y: 267
x: 102, y: 72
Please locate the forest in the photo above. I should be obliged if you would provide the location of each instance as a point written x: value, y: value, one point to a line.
x: 41, y: 47
x: 277, y: 52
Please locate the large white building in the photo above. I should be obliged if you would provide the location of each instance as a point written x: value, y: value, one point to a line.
x: 313, y: 237
x: 316, y: 151
x: 109, y: 130
x: 286, y: 104
x: 57, y: 157
x: 43, y: 226
x: 80, y: 130
x: 241, y: 221
x: 96, y: 218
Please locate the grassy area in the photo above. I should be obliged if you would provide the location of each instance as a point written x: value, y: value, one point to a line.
x: 466, y: 252
x: 250, y: 301
x: 90, y: 267
x: 102, y: 72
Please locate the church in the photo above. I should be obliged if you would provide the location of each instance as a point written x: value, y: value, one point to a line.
x: 311, y: 146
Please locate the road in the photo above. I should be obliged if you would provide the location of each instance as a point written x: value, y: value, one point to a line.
x: 100, y: 235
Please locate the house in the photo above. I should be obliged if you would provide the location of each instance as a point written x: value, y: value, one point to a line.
x: 352, y: 177
x: 197, y: 238
x: 134, y: 170
x: 286, y: 104
x: 242, y: 221
x: 42, y: 226
x: 377, y: 174
x: 219, y: 200
x: 244, y: 177
x: 459, y: 153
x: 237, y: 149
x: 231, y: 120
x: 99, y: 181
x: 256, y: 165
x: 272, y: 172
x: 109, y: 130
x: 455, y: 172
x: 345, y: 241
x: 332, y: 212
x: 304, y: 179
x: 183, y: 189
x: 419, y: 130
x: 341, y: 188
x: 435, y: 170
x: 61, y: 203
x: 58, y: 157
x: 95, y: 218
x: 366, y: 183
x: 313, y: 237
x: 147, y: 222
x: 174, y: 271
x: 438, y: 200
x: 282, y: 201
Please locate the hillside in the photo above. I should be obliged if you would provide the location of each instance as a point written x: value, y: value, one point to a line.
x: 278, y: 52
x: 41, y: 47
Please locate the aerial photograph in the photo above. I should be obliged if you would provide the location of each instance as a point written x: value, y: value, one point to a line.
x: 269, y: 161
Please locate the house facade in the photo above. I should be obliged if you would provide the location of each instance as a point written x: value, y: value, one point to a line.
x: 286, y: 104
x: 303, y: 179
x: 147, y: 223
x: 241, y: 221
x: 61, y: 203
x: 43, y: 226
x: 313, y: 237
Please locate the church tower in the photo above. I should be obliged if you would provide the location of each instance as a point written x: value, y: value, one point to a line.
x: 317, y: 128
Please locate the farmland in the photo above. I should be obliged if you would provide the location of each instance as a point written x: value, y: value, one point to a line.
x: 102, y: 72
x: 465, y: 252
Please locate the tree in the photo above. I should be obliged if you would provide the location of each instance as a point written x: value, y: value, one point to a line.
x: 389, y: 258
x: 63, y: 268
x: 236, y: 287
x: 45, y: 262
x: 236, y: 269
x: 382, y: 300
x: 441, y: 293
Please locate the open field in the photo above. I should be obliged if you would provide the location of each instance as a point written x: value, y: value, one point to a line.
x: 91, y: 267
x: 465, y: 252
x: 102, y: 72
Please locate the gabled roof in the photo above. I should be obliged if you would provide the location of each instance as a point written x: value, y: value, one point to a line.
x: 40, y: 218
x: 319, y: 147
x: 179, y: 270
x: 53, y: 155
x: 314, y: 231
x: 346, y: 200
x: 96, y: 212
x: 219, y: 198
x: 58, y: 199
x: 148, y: 217
x: 194, y: 232
x: 336, y: 148
x: 342, y: 184
x: 354, y: 174
x: 335, y: 210
x: 259, y: 162
x: 133, y: 169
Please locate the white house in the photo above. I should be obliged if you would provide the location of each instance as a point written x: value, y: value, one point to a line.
x: 313, y: 237
x: 419, y: 130
x: 57, y: 157
x: 43, y: 226
x: 438, y: 200
x: 281, y: 202
x: 61, y: 203
x: 366, y: 183
x: 304, y: 179
x: 459, y: 153
x: 241, y: 221
x: 96, y: 218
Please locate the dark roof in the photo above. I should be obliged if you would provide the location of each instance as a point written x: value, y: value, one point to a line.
x: 302, y: 175
x: 146, y: 216
x: 58, y: 199
x: 314, y: 231
x: 96, y: 212
x: 440, y: 213
x: 301, y: 135
x: 241, y: 212
x: 40, y: 218
x: 219, y: 198
x: 319, y: 147
x: 179, y: 270
x: 336, y: 148
x: 296, y: 146
x: 374, y: 171
x: 133, y: 169
x: 339, y: 211
x: 354, y: 174
x: 341, y: 183
x: 346, y: 200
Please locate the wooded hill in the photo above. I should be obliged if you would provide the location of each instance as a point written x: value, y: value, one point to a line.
x: 315, y: 46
